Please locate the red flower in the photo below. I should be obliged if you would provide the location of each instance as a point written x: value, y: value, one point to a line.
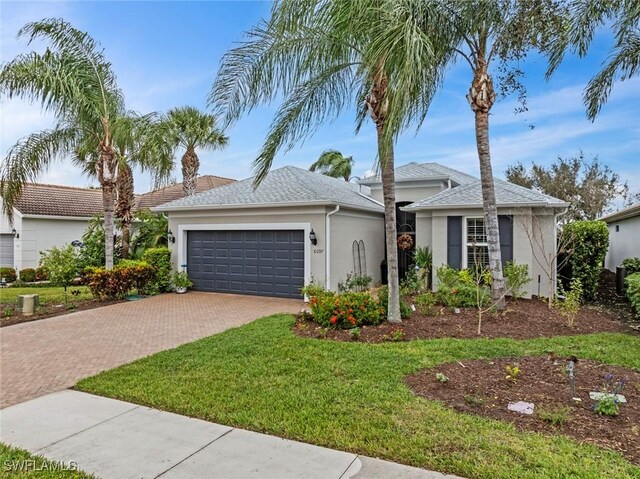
x: 352, y: 320
x: 333, y: 320
x: 351, y: 310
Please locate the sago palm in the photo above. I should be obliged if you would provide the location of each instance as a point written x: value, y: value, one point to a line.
x: 324, y: 58
x: 335, y: 164
x: 187, y: 128
x: 74, y: 81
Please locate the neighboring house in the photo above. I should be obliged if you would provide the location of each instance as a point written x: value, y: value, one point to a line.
x: 624, y: 236
x: 54, y: 215
x: 299, y: 226
x: 45, y: 216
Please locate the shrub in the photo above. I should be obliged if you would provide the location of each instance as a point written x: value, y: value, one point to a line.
x: 42, y: 274
x: 589, y: 243
x: 383, y: 298
x: 516, y: 276
x: 426, y: 302
x: 570, y: 306
x: 459, y: 289
x: 142, y: 274
x: 344, y: 310
x: 28, y: 275
x: 355, y: 283
x: 554, y: 416
x: 92, y: 252
x: 160, y: 259
x: 631, y: 266
x: 62, y: 264
x: 108, y: 284
x: 411, y: 283
x: 9, y: 274
x: 632, y: 291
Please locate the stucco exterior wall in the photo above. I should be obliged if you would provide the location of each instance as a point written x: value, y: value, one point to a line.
x: 623, y: 243
x: 314, y: 215
x: 40, y: 234
x: 346, y: 227
x: 431, y: 230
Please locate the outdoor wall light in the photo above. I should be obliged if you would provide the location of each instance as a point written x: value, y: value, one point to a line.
x: 77, y: 244
x: 170, y: 237
x: 15, y: 233
x: 312, y: 238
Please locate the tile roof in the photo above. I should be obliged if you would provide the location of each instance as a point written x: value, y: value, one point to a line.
x: 470, y: 195
x: 286, y: 185
x: 424, y: 171
x: 56, y: 200
x: 174, y: 192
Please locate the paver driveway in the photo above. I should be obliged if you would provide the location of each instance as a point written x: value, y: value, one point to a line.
x: 52, y: 354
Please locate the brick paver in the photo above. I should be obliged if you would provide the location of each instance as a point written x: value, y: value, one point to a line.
x: 51, y: 354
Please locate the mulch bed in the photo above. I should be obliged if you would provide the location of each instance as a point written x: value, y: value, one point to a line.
x: 522, y: 319
x: 51, y: 310
x: 480, y: 387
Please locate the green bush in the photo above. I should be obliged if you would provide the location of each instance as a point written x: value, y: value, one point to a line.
x: 460, y: 289
x: 160, y: 259
x: 63, y: 264
x: 632, y: 291
x: 383, y: 298
x: 631, y: 266
x: 119, y: 281
x: 92, y: 253
x: 9, y: 274
x: 426, y: 303
x: 589, y: 241
x: 354, y: 282
x: 569, y: 307
x: 344, y: 310
x: 42, y: 274
x: 28, y: 275
x: 143, y: 274
x: 516, y: 276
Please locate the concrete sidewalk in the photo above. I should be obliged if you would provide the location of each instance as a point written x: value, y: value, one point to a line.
x: 116, y: 439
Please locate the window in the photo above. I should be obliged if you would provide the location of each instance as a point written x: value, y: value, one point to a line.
x: 477, y: 249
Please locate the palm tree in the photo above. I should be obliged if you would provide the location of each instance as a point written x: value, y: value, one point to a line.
x: 624, y: 60
x: 73, y: 80
x: 324, y: 57
x: 332, y: 163
x: 498, y: 31
x: 188, y: 128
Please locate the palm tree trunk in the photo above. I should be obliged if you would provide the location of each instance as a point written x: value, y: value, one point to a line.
x: 125, y: 204
x: 190, y: 167
x: 481, y: 98
x: 389, y: 195
x: 107, y: 173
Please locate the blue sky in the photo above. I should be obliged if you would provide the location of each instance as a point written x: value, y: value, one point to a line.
x: 166, y: 54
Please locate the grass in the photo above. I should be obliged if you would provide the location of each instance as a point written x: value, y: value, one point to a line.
x: 30, y: 466
x: 53, y: 294
x: 351, y: 396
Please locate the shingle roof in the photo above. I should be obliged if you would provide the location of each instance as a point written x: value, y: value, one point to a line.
x: 421, y: 171
x: 470, y: 195
x: 628, y: 212
x: 56, y: 200
x: 174, y: 192
x: 286, y: 185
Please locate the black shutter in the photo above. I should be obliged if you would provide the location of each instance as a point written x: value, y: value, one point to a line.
x: 454, y: 241
x: 505, y: 224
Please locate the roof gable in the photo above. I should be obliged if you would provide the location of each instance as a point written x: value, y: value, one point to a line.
x: 286, y: 185
x: 424, y: 171
x: 173, y: 192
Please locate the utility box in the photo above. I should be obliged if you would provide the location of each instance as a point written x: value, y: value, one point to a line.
x: 35, y: 301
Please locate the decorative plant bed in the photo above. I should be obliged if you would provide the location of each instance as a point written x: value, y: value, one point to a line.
x: 487, y: 388
x: 50, y: 310
x: 523, y: 319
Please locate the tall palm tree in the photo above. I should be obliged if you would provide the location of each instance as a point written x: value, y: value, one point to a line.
x: 333, y: 163
x: 623, y: 62
x: 73, y: 80
x: 499, y: 32
x: 324, y: 57
x: 188, y: 128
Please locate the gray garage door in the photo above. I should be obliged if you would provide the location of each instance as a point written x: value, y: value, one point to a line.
x: 6, y: 250
x: 265, y: 263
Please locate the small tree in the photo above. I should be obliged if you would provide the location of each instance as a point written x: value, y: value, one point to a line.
x: 589, y: 245
x: 62, y: 264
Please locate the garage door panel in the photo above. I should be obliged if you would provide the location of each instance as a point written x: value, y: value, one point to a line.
x: 269, y: 263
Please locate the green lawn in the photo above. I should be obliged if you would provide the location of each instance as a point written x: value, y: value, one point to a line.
x: 351, y: 396
x: 17, y: 463
x: 53, y: 294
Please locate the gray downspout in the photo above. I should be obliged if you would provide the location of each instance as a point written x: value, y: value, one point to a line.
x: 327, y: 252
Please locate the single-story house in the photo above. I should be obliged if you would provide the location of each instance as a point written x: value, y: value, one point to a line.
x: 624, y: 236
x: 299, y: 226
x: 53, y: 215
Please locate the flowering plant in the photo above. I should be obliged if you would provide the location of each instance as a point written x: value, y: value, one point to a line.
x: 344, y: 310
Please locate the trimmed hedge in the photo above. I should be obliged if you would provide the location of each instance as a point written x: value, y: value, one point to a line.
x: 42, y: 274
x: 9, y: 274
x: 160, y: 260
x: 589, y: 242
x: 631, y: 266
x: 28, y: 275
x: 116, y: 283
x: 633, y: 292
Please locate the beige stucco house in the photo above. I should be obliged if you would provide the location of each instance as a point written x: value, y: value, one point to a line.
x: 624, y: 234
x: 299, y: 226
